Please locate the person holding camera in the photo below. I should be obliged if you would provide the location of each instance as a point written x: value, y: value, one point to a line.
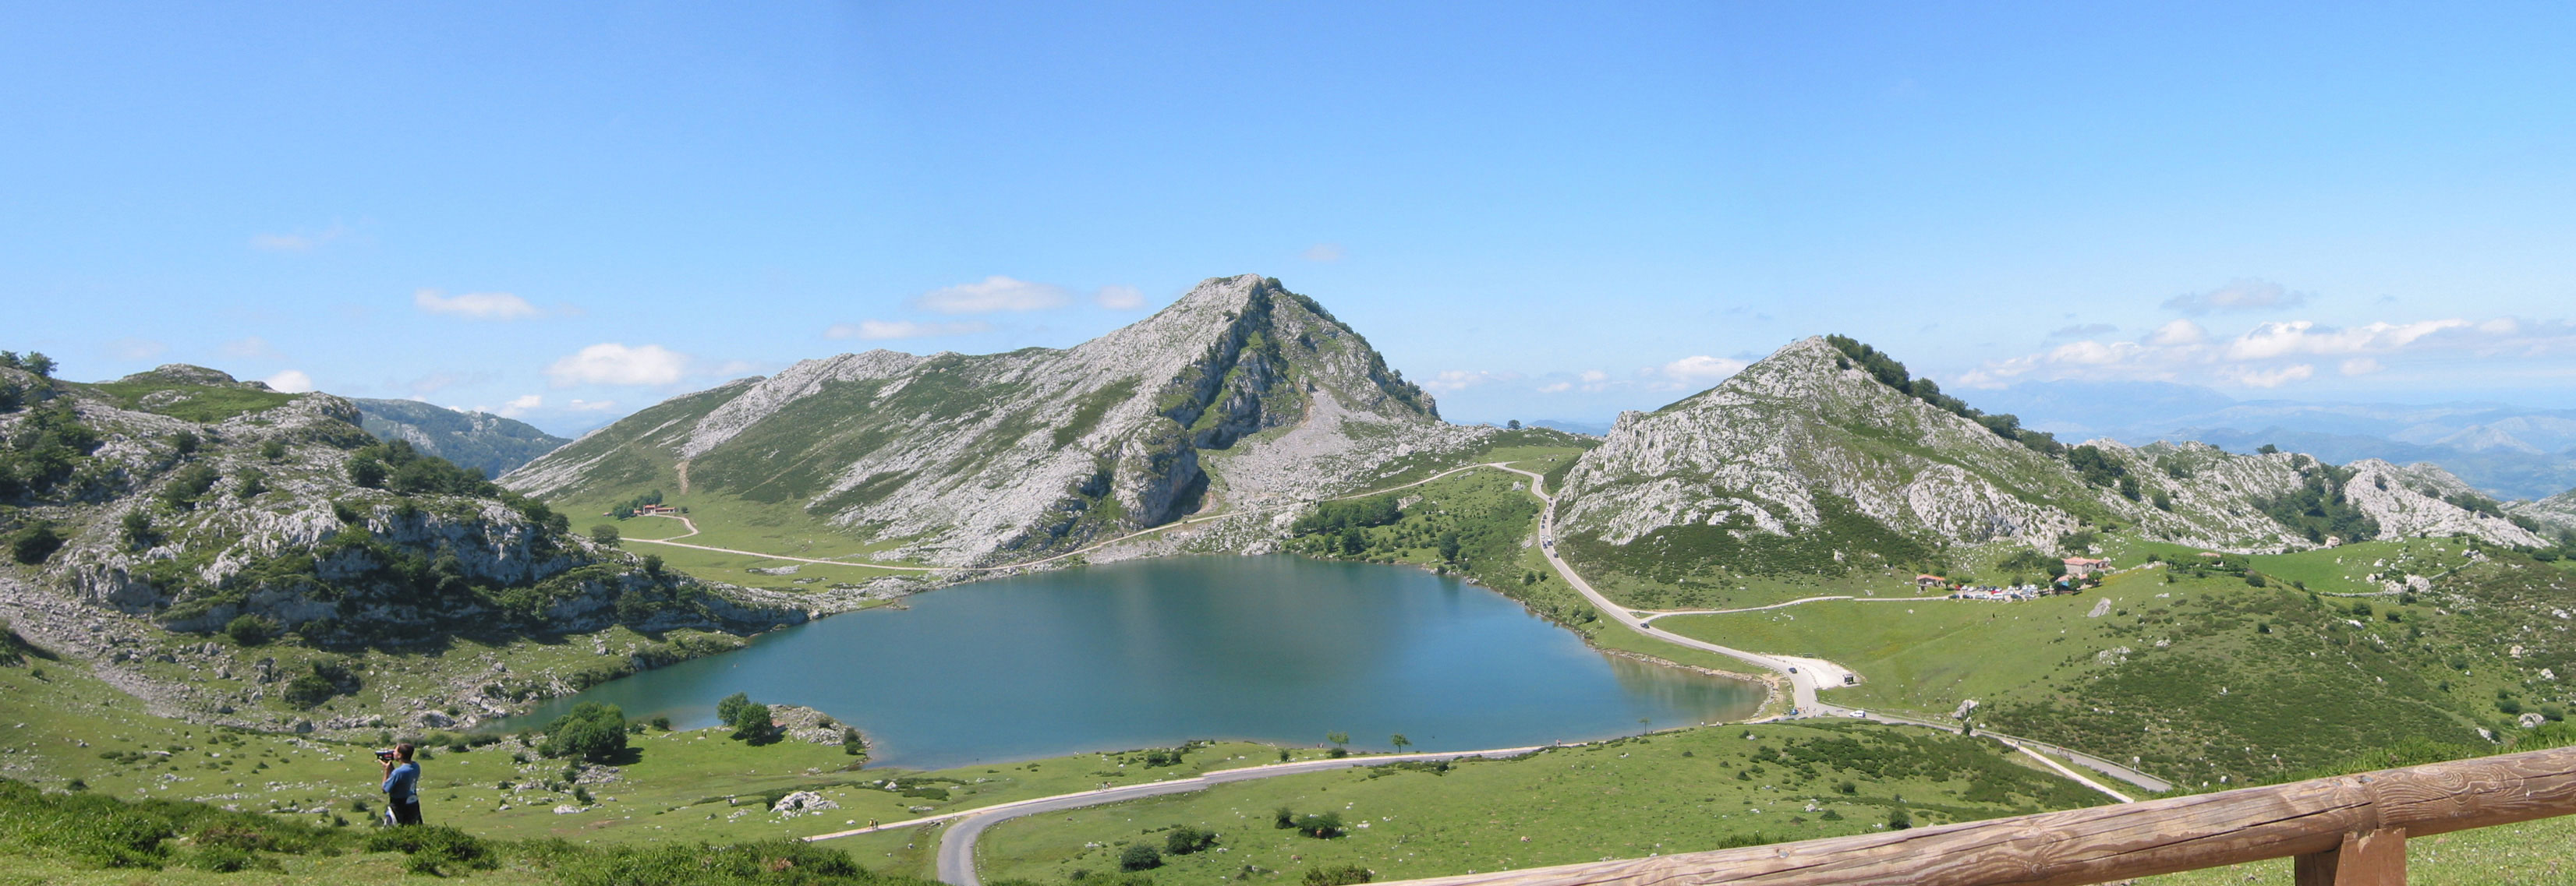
x: 402, y: 784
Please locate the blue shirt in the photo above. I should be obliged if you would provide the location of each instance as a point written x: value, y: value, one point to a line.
x: 403, y: 786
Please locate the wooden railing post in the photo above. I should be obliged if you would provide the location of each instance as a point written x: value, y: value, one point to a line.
x: 2377, y: 858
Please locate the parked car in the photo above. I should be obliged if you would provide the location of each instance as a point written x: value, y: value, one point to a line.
x: 1857, y: 714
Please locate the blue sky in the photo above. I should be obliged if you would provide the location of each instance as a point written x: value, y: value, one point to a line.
x: 1540, y: 211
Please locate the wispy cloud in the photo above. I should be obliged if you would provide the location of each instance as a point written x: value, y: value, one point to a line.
x: 475, y: 305
x: 880, y: 330
x: 1323, y: 252
x: 136, y: 348
x: 2238, y: 295
x: 1461, y: 379
x: 1692, y: 373
x: 298, y: 241
x: 250, y: 348
x: 616, y: 364
x: 2083, y: 329
x: 2273, y: 354
x: 518, y: 406
x: 993, y: 294
x: 1119, y: 298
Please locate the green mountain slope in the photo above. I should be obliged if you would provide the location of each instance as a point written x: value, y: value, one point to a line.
x: 168, y: 525
x: 479, y: 440
x: 1239, y: 393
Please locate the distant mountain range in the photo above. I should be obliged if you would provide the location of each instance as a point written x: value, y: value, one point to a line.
x: 479, y: 440
x: 2509, y: 452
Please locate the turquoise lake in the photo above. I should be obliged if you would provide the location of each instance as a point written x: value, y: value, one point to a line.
x: 1157, y: 652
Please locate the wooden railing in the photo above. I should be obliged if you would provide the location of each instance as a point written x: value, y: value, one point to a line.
x: 2348, y: 830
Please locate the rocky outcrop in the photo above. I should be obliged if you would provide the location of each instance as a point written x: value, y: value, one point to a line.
x: 1240, y: 392
x: 2555, y: 514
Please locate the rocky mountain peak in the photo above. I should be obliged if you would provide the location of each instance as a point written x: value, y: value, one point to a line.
x: 1240, y: 390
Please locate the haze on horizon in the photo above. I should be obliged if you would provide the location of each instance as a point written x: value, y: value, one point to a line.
x: 565, y: 215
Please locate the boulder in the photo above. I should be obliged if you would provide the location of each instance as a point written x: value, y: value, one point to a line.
x: 802, y: 803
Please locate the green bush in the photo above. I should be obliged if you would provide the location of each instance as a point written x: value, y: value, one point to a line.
x: 434, y: 849
x: 1344, y: 875
x: 250, y: 630
x: 591, y: 731
x: 35, y: 543
x: 1139, y: 857
x: 1185, y: 840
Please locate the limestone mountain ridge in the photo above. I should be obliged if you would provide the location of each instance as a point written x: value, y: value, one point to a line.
x: 1239, y: 393
x: 1809, y: 461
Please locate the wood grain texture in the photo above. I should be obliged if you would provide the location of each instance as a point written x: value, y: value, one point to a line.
x: 2118, y: 842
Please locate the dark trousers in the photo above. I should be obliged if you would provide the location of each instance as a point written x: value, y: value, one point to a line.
x: 406, y: 813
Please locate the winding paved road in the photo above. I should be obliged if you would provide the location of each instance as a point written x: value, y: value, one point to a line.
x: 957, y: 844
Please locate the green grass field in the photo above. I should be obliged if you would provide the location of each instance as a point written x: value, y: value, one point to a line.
x: 1681, y: 791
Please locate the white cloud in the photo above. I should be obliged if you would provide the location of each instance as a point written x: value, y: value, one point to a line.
x: 2267, y: 378
x: 2179, y: 332
x: 1556, y: 387
x: 2238, y: 295
x: 879, y: 330
x: 291, y: 381
x: 298, y: 241
x: 136, y: 348
x: 1324, y: 252
x: 995, y: 293
x: 580, y: 405
x: 1698, y: 372
x: 521, y: 405
x: 1120, y: 298
x: 253, y: 347
x: 2275, y: 353
x: 2306, y: 337
x: 475, y: 305
x: 616, y: 364
x: 1459, y: 380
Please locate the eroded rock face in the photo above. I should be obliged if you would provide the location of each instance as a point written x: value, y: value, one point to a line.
x: 1805, y: 442
x: 1240, y: 392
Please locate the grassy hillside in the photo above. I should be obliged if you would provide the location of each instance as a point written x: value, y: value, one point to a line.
x: 2202, y: 674
x: 1683, y: 791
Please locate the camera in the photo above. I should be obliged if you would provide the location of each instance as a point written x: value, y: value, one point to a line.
x: 385, y: 754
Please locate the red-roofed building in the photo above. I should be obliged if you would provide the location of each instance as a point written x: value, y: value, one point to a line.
x: 2085, y: 567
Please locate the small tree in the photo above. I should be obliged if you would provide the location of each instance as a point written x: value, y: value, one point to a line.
x: 1399, y: 741
x: 1184, y: 840
x: 36, y: 543
x: 367, y: 472
x: 1139, y: 857
x: 273, y: 450
x: 749, y: 719
x: 1449, y: 546
x: 250, y: 630
x: 604, y: 534
x: 1341, y: 743
x: 184, y: 442
x: 1898, y: 819
x: 137, y: 526
x: 592, y: 731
